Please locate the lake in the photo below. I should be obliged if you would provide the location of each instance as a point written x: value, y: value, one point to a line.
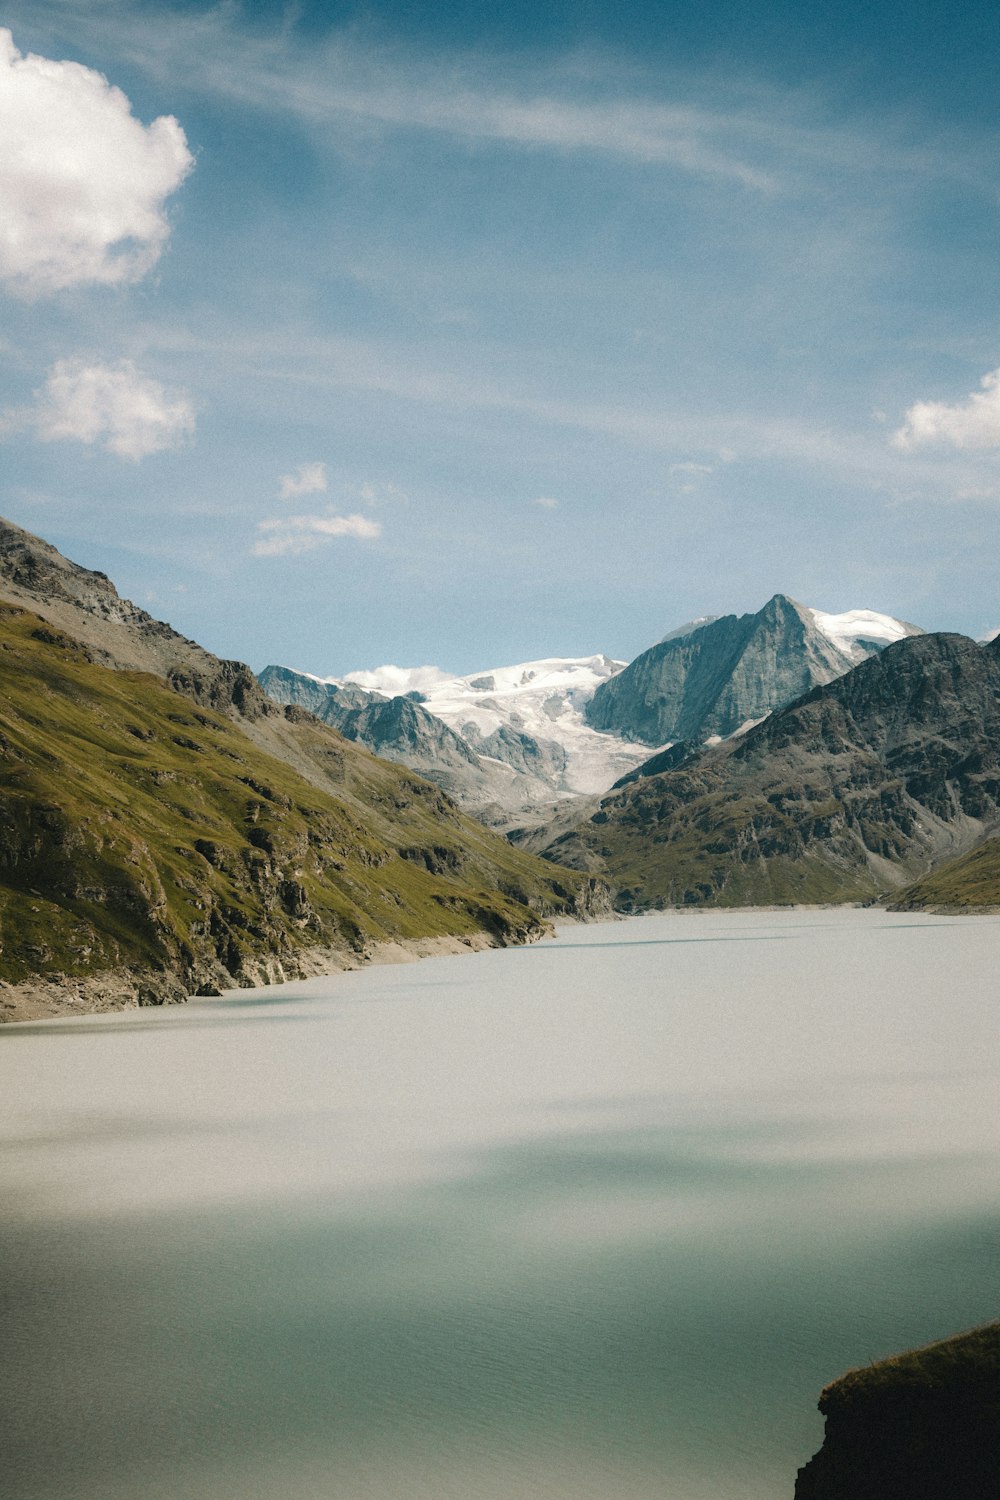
x: 590, y: 1220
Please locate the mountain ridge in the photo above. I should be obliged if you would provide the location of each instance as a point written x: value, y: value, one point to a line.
x: 852, y: 791
x: 733, y: 670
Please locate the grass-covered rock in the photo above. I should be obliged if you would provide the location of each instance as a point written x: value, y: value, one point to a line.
x: 145, y: 835
x: 967, y: 884
x: 922, y: 1426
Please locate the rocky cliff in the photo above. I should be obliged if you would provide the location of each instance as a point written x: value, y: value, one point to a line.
x: 922, y: 1426
x: 727, y: 672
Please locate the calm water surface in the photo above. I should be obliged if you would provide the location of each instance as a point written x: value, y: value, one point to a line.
x: 592, y: 1220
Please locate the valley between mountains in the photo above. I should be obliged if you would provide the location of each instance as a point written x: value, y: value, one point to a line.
x: 173, y: 825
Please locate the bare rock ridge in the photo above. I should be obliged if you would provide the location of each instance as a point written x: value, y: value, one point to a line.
x: 723, y: 673
x: 118, y: 633
x: 397, y: 728
x: 849, y: 793
x: 921, y: 1426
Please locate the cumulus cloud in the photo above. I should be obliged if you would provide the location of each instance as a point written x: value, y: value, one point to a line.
x: 973, y: 423
x: 547, y: 502
x: 115, y: 406
x: 308, y: 479
x: 82, y: 181
x: 289, y: 535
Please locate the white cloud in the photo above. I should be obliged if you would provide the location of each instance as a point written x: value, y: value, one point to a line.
x: 82, y: 181
x: 547, y: 502
x: 116, y: 406
x: 973, y: 423
x: 308, y: 479
x: 283, y: 535
x: 394, y: 681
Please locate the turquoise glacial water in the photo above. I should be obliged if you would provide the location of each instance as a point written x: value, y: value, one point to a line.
x: 591, y: 1220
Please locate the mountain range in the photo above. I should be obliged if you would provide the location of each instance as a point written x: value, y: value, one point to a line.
x: 523, y: 736
x: 166, y: 826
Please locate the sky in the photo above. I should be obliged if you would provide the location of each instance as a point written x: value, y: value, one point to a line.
x: 462, y: 334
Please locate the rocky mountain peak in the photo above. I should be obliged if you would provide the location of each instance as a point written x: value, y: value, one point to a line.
x: 728, y: 673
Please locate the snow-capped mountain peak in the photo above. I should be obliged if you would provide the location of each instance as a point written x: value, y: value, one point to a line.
x: 858, y: 631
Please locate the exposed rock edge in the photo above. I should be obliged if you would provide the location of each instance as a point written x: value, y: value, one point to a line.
x: 56, y: 997
x: 922, y: 1426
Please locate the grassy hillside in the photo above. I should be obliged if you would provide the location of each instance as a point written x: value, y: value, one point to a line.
x: 140, y: 831
x: 970, y: 883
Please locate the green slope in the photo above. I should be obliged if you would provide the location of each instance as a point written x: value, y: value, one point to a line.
x: 142, y: 832
x: 969, y: 883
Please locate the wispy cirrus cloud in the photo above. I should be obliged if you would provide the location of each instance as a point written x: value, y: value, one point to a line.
x: 283, y: 536
x: 82, y: 181
x: 342, y: 82
x: 755, y: 139
x: 970, y: 424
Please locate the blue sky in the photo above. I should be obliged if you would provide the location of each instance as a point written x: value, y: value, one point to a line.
x: 467, y: 334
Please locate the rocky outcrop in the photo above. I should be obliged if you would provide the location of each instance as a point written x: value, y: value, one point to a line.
x: 922, y: 1426
x: 723, y: 674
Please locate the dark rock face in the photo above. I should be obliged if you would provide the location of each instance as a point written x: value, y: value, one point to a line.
x: 923, y: 1426
x: 718, y: 676
x: 845, y: 794
x: 542, y: 758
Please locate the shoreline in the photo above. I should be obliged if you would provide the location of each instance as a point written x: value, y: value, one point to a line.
x: 64, y: 998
